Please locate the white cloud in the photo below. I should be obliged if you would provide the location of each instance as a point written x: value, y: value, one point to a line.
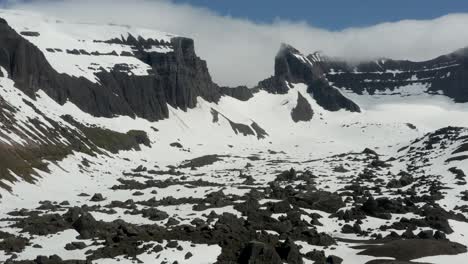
x: 239, y: 51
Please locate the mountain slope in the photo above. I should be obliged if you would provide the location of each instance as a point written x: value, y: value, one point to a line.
x: 117, y: 146
x: 444, y: 75
x: 293, y: 67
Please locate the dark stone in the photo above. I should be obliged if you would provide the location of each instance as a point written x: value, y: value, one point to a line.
x: 97, y: 198
x: 75, y: 246
x: 289, y: 68
x: 261, y: 133
x: 446, y: 74
x: 188, y: 255
x: 30, y: 33
x: 318, y: 256
x: 259, y: 253
x: 289, y: 252
x: 181, y: 78
x: 334, y: 260
x: 140, y: 168
x: 86, y: 226
x: 176, y: 145
x: 13, y: 244
x: 409, y: 249
x: 200, y: 161
x: 172, y: 244
x: 370, y: 152
x: 426, y: 234
x: 154, y: 214
x: 303, y: 111
x: 242, y: 93
x: 439, y: 235
x: 319, y: 200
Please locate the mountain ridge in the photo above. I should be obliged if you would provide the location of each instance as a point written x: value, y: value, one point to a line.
x: 116, y: 146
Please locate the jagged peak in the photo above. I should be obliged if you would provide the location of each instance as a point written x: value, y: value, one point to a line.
x: 311, y: 59
x: 317, y: 56
x: 286, y: 49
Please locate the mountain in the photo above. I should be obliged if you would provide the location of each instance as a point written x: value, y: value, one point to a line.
x: 443, y: 75
x: 116, y: 145
x: 293, y: 67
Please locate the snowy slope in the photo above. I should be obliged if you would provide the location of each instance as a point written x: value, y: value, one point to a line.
x: 56, y: 39
x: 245, y: 147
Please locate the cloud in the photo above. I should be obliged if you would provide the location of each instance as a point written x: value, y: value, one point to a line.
x: 239, y: 51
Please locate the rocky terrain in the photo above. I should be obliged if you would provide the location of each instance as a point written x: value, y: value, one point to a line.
x: 117, y: 147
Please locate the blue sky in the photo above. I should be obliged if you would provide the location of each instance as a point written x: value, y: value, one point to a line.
x: 334, y: 14
x: 327, y: 14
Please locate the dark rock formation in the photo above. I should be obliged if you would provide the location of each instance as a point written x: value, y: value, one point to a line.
x: 239, y: 128
x: 303, y: 111
x: 292, y: 67
x: 184, y: 76
x: 178, y: 78
x: 319, y: 200
x: 414, y: 248
x: 97, y: 198
x: 259, y: 253
x: 242, y: 93
x: 446, y: 74
x: 289, y: 252
x: 48, y: 260
x: 30, y: 33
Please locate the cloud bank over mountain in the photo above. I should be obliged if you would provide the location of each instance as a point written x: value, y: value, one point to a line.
x: 241, y: 52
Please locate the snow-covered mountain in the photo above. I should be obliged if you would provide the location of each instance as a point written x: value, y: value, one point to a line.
x: 116, y: 145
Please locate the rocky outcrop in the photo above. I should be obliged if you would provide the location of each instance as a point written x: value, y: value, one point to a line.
x: 303, y: 111
x: 259, y: 253
x: 239, y: 128
x: 447, y: 75
x: 293, y: 67
x: 178, y: 78
x: 242, y: 93
x: 183, y: 75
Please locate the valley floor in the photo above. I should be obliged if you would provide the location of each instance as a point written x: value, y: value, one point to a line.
x: 386, y: 184
x: 357, y: 206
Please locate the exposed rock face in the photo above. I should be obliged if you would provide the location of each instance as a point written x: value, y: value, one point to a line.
x: 242, y: 93
x: 293, y: 67
x: 241, y: 129
x: 28, y: 67
x: 414, y: 248
x: 446, y: 74
x: 178, y: 78
x: 184, y: 76
x: 303, y: 111
x: 259, y: 253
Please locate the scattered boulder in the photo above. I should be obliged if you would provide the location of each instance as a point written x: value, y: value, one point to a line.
x: 259, y: 253
x: 97, y: 198
x: 289, y: 252
x: 408, y: 249
x: 75, y: 246
x: 176, y: 145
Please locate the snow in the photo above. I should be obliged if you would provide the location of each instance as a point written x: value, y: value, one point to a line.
x: 57, y: 34
x: 456, y: 237
x: 56, y: 243
x: 202, y: 254
x: 382, y: 125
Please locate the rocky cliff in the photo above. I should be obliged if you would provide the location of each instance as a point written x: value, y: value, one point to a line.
x: 293, y: 67
x: 447, y: 75
x: 177, y: 78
